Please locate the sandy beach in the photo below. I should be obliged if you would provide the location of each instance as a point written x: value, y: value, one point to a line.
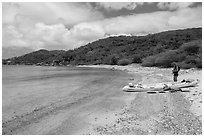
x: 157, y: 113
x: 112, y: 111
x: 102, y: 68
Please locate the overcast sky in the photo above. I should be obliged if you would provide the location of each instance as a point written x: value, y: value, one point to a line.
x: 32, y: 26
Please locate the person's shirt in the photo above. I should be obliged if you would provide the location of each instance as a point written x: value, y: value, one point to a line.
x: 176, y: 70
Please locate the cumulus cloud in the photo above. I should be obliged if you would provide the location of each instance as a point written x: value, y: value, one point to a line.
x: 55, y: 36
x: 87, y: 31
x: 45, y: 25
x: 141, y: 24
x: 50, y: 13
x: 173, y: 5
x: 24, y: 29
x: 119, y: 5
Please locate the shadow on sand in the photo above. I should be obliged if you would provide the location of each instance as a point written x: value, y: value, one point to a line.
x: 185, y: 91
x: 171, y: 91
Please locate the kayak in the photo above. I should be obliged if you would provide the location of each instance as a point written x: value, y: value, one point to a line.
x: 160, y: 86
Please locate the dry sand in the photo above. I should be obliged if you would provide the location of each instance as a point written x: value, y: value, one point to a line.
x: 117, y: 112
x: 158, y: 113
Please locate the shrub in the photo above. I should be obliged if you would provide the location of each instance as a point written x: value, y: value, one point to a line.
x: 164, y: 59
x: 137, y: 59
x: 167, y: 58
x: 191, y: 47
x: 149, y: 61
x: 73, y: 63
x: 111, y: 60
x: 194, y: 60
x: 97, y: 62
x: 190, y: 60
x: 184, y: 65
x: 159, y: 48
x: 124, y: 62
x: 199, y: 63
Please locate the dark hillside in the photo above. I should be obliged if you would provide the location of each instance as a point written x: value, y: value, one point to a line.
x: 189, y: 55
x: 123, y: 50
x: 130, y: 47
x: 42, y: 57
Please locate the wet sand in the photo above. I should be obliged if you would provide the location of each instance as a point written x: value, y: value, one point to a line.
x: 68, y: 113
x: 111, y: 111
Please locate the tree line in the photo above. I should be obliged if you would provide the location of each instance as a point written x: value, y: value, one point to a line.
x: 161, y: 49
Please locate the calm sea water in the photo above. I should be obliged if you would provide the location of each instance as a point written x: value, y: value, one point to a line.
x: 27, y: 87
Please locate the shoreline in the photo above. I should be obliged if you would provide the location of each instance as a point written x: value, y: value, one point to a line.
x: 148, y: 72
x: 107, y: 110
x: 151, y: 75
x: 66, y: 111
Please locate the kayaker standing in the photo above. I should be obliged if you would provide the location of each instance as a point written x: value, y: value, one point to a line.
x: 175, y: 71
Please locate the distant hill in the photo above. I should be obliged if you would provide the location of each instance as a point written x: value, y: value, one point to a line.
x: 182, y: 46
x: 40, y: 57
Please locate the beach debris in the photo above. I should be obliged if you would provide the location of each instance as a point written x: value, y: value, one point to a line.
x: 35, y: 109
x: 194, y: 94
x: 191, y: 99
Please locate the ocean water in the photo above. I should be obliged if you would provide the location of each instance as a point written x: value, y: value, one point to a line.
x: 25, y: 88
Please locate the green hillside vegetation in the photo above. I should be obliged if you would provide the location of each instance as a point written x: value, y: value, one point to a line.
x: 161, y: 49
x: 189, y: 55
x: 41, y: 57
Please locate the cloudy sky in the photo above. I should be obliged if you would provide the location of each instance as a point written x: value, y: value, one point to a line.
x: 32, y: 26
